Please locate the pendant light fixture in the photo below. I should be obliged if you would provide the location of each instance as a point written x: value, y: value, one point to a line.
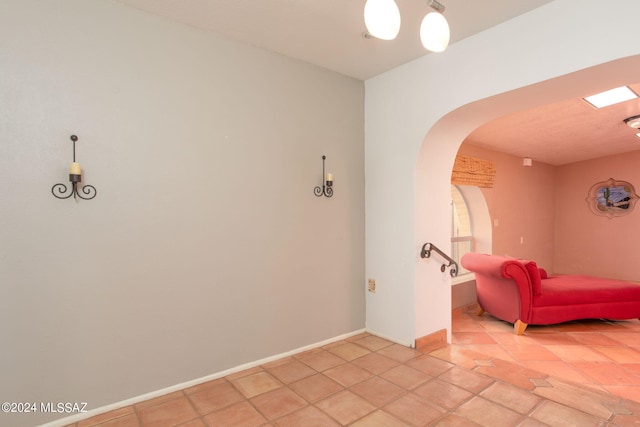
x: 434, y: 30
x: 382, y: 18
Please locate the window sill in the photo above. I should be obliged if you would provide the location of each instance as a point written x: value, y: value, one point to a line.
x: 462, y: 278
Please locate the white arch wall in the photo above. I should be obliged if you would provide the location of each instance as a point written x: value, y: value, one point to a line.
x: 417, y: 115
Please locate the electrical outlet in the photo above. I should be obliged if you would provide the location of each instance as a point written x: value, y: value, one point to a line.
x: 372, y: 285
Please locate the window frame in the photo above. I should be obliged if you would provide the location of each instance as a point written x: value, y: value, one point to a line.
x: 463, y: 275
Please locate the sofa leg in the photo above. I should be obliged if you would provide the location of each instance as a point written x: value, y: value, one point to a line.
x: 479, y: 311
x: 519, y: 327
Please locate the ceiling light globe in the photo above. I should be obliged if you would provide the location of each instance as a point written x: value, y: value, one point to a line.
x: 382, y: 18
x: 434, y: 32
x: 633, y: 122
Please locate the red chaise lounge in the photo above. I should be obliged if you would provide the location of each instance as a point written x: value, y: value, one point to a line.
x: 519, y: 292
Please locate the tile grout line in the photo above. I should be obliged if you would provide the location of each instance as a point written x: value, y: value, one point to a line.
x: 408, y: 390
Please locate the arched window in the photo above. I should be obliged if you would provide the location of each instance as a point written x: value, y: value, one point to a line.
x: 471, y: 226
x: 462, y: 230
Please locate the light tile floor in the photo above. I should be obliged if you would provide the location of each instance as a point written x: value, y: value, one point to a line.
x: 578, y: 374
x: 598, y: 354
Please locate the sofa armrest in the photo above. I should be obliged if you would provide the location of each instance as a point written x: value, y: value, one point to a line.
x: 503, y: 285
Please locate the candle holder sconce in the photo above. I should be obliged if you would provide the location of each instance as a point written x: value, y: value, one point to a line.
x: 327, y: 184
x: 75, y: 176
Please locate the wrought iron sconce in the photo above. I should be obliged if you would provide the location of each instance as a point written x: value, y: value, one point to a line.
x: 75, y: 176
x: 327, y: 185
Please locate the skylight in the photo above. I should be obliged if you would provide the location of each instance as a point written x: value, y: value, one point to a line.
x: 610, y: 97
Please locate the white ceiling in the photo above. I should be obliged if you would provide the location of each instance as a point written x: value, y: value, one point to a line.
x: 329, y: 33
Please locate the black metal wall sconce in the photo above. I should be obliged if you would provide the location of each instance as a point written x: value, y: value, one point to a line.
x: 327, y: 185
x: 75, y: 176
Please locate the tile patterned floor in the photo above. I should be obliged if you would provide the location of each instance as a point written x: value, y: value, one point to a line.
x: 598, y: 354
x: 487, y: 377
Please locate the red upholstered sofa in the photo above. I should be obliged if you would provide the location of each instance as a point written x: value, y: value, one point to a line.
x: 519, y: 292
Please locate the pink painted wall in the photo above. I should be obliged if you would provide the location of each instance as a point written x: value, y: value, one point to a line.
x: 522, y: 206
x: 546, y: 206
x: 590, y: 244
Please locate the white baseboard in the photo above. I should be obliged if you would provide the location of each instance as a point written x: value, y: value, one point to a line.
x: 101, y: 410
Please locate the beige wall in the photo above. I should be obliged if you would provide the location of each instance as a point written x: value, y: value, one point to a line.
x: 521, y: 205
x: 591, y: 244
x: 205, y: 247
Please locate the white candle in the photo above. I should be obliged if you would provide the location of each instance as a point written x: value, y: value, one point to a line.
x: 75, y: 169
x: 329, y: 177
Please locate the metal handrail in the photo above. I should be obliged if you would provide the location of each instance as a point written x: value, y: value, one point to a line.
x: 426, y: 253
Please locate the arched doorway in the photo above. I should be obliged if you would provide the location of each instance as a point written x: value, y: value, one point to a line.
x: 437, y: 153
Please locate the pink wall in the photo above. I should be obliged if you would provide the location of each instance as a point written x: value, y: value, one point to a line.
x: 546, y: 206
x: 521, y: 204
x: 590, y: 244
